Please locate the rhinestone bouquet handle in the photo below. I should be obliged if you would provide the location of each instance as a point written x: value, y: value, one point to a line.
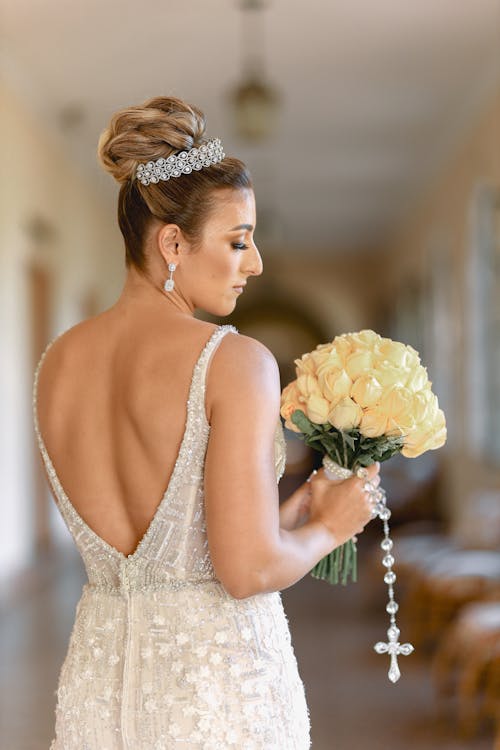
x: 377, y: 495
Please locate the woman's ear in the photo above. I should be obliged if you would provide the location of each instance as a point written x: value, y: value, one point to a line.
x: 168, y: 239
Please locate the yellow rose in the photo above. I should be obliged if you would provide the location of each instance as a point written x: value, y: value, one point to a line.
x: 427, y: 436
x: 358, y: 363
x: 305, y: 365
x: 417, y: 379
x: 396, y: 400
x: 413, y: 357
x: 394, y: 352
x: 365, y: 338
x: 343, y: 346
x: 388, y: 374
x: 317, y: 409
x: 307, y: 384
x: 289, y: 403
x: 346, y: 414
x: 373, y: 423
x: 401, y: 425
x: 366, y: 391
x: 334, y: 384
x: 424, y: 404
x: 327, y: 358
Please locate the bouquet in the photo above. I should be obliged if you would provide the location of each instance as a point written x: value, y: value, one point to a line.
x: 359, y: 399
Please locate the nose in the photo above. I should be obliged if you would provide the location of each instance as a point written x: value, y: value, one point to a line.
x: 254, y: 264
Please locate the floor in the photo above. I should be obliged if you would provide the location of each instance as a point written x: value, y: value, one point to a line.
x: 352, y: 704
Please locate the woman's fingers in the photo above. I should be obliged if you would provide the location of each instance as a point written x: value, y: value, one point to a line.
x: 373, y: 470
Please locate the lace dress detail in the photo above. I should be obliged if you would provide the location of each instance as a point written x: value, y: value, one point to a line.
x: 161, y: 656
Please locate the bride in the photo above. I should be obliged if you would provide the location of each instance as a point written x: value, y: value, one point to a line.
x: 162, y: 443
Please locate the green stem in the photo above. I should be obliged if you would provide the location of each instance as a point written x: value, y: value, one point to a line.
x: 344, y: 447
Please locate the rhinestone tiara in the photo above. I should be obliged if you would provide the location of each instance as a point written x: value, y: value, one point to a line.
x: 182, y: 163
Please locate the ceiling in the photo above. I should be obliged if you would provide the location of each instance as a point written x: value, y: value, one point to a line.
x: 375, y: 93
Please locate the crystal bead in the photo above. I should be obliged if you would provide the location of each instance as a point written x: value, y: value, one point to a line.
x: 392, y: 607
x: 384, y: 514
x: 387, y: 544
x: 390, y: 577
x: 388, y: 561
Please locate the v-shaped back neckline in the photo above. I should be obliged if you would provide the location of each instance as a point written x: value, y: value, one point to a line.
x: 171, y: 482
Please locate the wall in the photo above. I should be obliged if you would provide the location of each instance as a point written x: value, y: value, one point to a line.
x: 442, y: 217
x: 38, y: 180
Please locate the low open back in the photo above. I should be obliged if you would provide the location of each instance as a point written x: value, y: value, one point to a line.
x: 195, y: 419
x: 195, y: 425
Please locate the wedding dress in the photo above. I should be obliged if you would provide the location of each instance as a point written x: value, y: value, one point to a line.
x: 160, y: 655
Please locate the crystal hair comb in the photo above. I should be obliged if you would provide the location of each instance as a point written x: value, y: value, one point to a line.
x: 184, y: 162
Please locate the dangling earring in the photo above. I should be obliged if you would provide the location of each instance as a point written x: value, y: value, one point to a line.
x: 169, y: 283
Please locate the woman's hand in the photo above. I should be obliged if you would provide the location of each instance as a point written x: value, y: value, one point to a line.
x: 294, y: 511
x: 342, y: 505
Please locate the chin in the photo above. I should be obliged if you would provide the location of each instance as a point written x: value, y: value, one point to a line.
x: 222, y: 309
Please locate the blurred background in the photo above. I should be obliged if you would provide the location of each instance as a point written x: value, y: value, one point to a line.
x: 372, y: 130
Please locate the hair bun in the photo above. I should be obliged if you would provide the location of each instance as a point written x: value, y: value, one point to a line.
x: 158, y: 127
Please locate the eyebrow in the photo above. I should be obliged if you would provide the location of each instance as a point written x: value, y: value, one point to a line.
x: 242, y: 226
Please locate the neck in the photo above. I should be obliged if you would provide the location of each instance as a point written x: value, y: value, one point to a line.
x: 143, y: 292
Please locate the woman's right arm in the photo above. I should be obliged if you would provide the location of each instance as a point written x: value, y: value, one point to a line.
x: 250, y: 552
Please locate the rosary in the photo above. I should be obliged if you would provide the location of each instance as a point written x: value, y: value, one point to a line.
x: 377, y: 498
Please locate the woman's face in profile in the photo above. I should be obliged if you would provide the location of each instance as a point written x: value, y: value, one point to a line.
x: 226, y: 254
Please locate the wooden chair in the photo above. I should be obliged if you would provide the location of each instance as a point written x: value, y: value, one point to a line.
x: 466, y: 665
x: 443, y: 586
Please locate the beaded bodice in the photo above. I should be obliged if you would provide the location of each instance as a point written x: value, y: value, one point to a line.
x: 174, y: 550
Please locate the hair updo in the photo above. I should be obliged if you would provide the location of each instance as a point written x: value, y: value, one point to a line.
x: 162, y: 126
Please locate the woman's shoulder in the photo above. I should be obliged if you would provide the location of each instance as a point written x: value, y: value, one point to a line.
x: 242, y: 349
x: 243, y: 370
x: 59, y: 346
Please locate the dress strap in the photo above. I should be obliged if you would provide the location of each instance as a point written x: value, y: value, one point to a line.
x: 201, y: 369
x: 35, y: 386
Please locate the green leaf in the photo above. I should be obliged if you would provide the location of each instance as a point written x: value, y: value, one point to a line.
x: 303, y: 423
x: 349, y: 440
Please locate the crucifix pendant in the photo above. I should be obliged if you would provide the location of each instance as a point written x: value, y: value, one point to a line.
x: 393, y: 648
x: 380, y: 509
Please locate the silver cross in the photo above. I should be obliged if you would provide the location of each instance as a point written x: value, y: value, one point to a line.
x: 393, y: 648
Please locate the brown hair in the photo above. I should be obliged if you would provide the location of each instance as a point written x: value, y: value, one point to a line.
x: 162, y: 126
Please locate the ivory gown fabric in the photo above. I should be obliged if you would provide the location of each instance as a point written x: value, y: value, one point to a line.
x: 161, y: 657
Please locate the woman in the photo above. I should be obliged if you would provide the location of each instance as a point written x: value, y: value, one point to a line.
x: 180, y: 639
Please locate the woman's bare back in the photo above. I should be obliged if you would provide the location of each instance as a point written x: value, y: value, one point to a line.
x: 112, y: 396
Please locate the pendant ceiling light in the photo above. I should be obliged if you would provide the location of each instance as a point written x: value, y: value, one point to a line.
x: 254, y: 102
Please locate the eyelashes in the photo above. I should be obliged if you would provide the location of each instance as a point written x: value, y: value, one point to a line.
x: 239, y: 246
